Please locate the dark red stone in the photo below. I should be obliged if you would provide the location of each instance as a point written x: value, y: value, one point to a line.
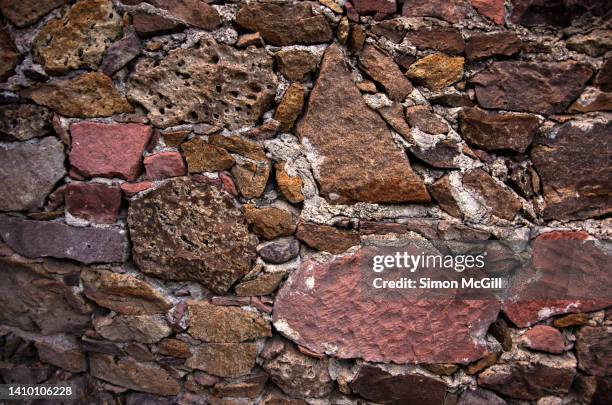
x: 544, y: 338
x: 556, y: 12
x: 94, y: 202
x: 493, y: 9
x: 447, y: 40
x: 484, y: 45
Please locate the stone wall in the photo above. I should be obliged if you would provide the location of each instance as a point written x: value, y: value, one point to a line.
x: 176, y: 175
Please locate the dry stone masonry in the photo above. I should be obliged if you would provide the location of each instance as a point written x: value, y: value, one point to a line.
x: 188, y: 189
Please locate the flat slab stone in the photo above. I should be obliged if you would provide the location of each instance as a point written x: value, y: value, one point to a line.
x: 25, y: 12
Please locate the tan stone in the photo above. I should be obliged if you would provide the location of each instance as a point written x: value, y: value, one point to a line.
x: 251, y: 178
x: 290, y: 106
x: 294, y: 64
x: 204, y: 157
x: 63, y: 352
x: 224, y: 359
x: 270, y: 222
x: 289, y: 186
x: 262, y: 285
x: 436, y: 71
x: 239, y: 145
x: 139, y: 328
x: 222, y: 324
x: 173, y: 347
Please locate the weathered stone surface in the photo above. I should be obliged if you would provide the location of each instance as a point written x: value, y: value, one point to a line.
x: 530, y: 380
x: 383, y: 69
x: 290, y: 106
x: 131, y: 189
x: 204, y: 157
x: 492, y: 130
x: 450, y: 10
x: 379, y: 8
x: 393, y: 30
x: 604, y: 77
x: 63, y: 352
x: 41, y: 304
x: 407, y: 388
x: 543, y: 338
x: 190, y: 231
x: 108, y: 150
x: 78, y: 39
x: 570, y: 320
x: 576, y: 181
x: 220, y: 324
x: 339, y: 124
x: 484, y: 45
x: 270, y: 222
x: 493, y: 9
x: 556, y: 13
x: 224, y: 359
x: 594, y: 345
x: 356, y: 39
x: 424, y: 119
x: 442, y: 192
x: 125, y: 328
x: 123, y: 293
x: 264, y: 284
x: 595, y: 43
x: 480, y: 397
x: 209, y: 82
x: 29, y: 172
x: 278, y: 398
x: 192, y: 12
x: 173, y: 347
x: 9, y: 56
x: 288, y: 24
x: 442, y: 154
x: 87, y: 95
x: 164, y: 165
x: 120, y: 53
x: 544, y: 88
x: 374, y: 326
x: 294, y: 64
x: 24, y: 121
x: 327, y: 238
x: 280, y: 250
x: 247, y: 40
x: 132, y: 374
x: 447, y: 40
x: 149, y: 25
x: 239, y: 145
x: 94, y: 202
x: 300, y: 375
x: 26, y: 12
x: 251, y: 178
x: 498, y: 198
x: 436, y: 71
x: 53, y: 239
x: 394, y: 116
x: 592, y: 99
x: 289, y: 185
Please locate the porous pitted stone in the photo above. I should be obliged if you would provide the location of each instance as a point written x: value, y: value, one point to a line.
x: 224, y: 359
x: 287, y: 24
x: 25, y: 12
x: 436, y: 71
x: 164, y: 165
x: 9, y: 56
x: 557, y: 13
x: 87, y: 95
x: 294, y: 64
x: 326, y: 238
x: 270, y: 222
x: 543, y: 338
x: 209, y: 82
x: 290, y: 186
x: 385, y: 71
x: 24, y: 121
x: 340, y: 130
x: 220, y: 324
x: 53, y: 239
x: 447, y: 40
x: 576, y: 181
x: 484, y: 45
x: 204, y: 157
x: 290, y: 106
x: 78, y: 39
x: 139, y: 328
x: 450, y: 10
x: 29, y: 172
x: 123, y: 293
x: 542, y: 87
x: 108, y: 150
x: 264, y: 284
x: 94, y: 202
x: 499, y: 199
x: 593, y: 347
x: 251, y: 178
x: 190, y: 231
x: 377, y: 328
x: 493, y: 130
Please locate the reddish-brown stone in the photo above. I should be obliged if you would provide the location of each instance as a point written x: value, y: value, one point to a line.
x: 150, y: 25
x: 131, y: 189
x: 450, y: 10
x: 484, y: 45
x: 604, y: 77
x: 557, y: 13
x: 594, y: 348
x: 385, y: 71
x: 108, y: 150
x: 447, y: 40
x: 25, y: 12
x: 224, y: 359
x: 498, y: 198
x: 379, y: 8
x: 9, y: 56
x: 391, y: 29
x: 493, y: 9
x: 442, y: 192
x: 192, y: 12
x: 326, y: 238
x: 94, y: 202
x: 163, y: 165
x: 543, y: 338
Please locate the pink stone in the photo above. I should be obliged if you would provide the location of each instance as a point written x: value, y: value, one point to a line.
x: 94, y: 202
x: 129, y: 189
x: 493, y: 9
x: 228, y: 183
x: 108, y: 150
x: 164, y: 165
x: 544, y: 338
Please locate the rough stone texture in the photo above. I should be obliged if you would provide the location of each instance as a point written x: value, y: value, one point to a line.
x: 492, y: 130
x: 285, y: 24
x: 407, y: 388
x: 164, y: 165
x: 376, y: 328
x: 544, y: 88
x: 251, y: 178
x: 132, y: 374
x: 26, y: 12
x: 394, y: 116
x: 499, y: 199
x: 347, y: 131
x: 604, y: 78
x: 209, y: 82
x: 442, y: 192
x: 108, y: 150
x: 480, y: 397
x: 193, y: 12
x: 493, y: 9
x: 139, y: 328
x: 53, y: 239
x: 264, y: 284
x: 592, y: 99
x: 239, y: 145
x: 447, y: 40
x: 593, y: 347
x: 576, y: 181
x: 120, y: 54
x: 379, y: 8
x: 97, y: 203
x: 188, y: 231
x: 280, y: 250
x: 543, y: 338
x: 300, y: 375
x: 425, y: 120
x: 294, y: 64
x: 150, y: 25
x: 327, y: 238
x: 204, y: 157
x: 450, y: 10
x: 218, y: 324
x: 123, y: 293
x: 290, y: 106
x: 24, y: 121
x: 436, y: 71
x: 383, y: 69
x: 224, y: 359
x: 557, y: 13
x: 87, y: 95
x: 270, y: 222
x: 483, y: 46
x: 9, y: 55
x: 29, y: 172
x: 290, y: 186
x: 62, y: 352
x: 78, y: 39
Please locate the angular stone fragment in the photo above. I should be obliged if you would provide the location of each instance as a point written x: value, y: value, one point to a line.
x: 108, y: 150
x: 556, y: 13
x: 424, y: 119
x: 87, y: 95
x: 132, y: 374
x: 538, y: 87
x: 407, y: 388
x: 326, y: 238
x: 394, y: 116
x: 30, y: 301
x: 190, y: 231
x: 279, y: 250
x: 356, y: 39
x: 436, y: 71
x: 443, y: 153
x: 377, y: 327
x: 224, y: 359
x: 604, y: 77
x: 592, y: 99
x: 300, y: 375
x: 498, y: 198
x: 492, y: 130
x: 120, y: 53
x: 203, y: 157
x: 543, y: 338
x: 576, y: 181
x: 593, y: 348
x: 383, y: 69
x: 139, y: 328
x: 270, y: 222
x: 26, y: 12
x: 53, y: 239
x: 131, y: 189
x: 340, y: 128
x: 493, y: 9
x: 294, y: 64
x: 288, y: 24
x: 97, y: 203
x: 442, y: 192
x: 149, y: 25
x: 264, y: 284
x: 570, y: 320
x: 247, y: 40
x: 450, y: 10
x: 251, y: 178
x: 29, y: 172
x: 480, y: 397
x: 173, y: 347
x: 290, y: 106
x: 447, y: 40
x: 123, y: 293
x: 78, y: 39
x: 484, y: 45
x: 220, y: 324
x: 379, y: 8
x: 164, y: 165
x: 290, y: 186
x: 62, y: 352
x: 24, y: 121
x: 193, y: 12
x: 9, y: 56
x: 239, y: 145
